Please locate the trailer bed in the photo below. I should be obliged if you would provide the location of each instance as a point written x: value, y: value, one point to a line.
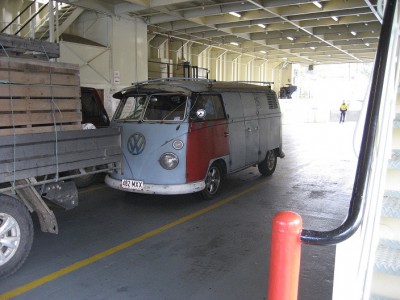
x: 31, y: 155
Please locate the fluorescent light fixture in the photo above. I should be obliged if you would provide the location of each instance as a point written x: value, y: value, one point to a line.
x: 317, y: 4
x: 353, y: 32
x: 335, y: 18
x: 235, y: 14
x: 290, y: 38
x: 263, y: 52
x: 261, y: 25
x: 234, y: 43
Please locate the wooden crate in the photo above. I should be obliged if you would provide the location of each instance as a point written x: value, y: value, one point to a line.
x: 38, y: 96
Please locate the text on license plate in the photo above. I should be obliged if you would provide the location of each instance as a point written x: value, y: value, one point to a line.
x: 132, y: 184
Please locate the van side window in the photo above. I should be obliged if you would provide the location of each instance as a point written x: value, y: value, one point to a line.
x: 211, y: 104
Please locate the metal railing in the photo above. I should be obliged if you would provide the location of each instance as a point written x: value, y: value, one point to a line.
x: 31, y: 17
x: 168, y: 70
x: 17, y: 17
x: 287, y: 232
x: 357, y: 203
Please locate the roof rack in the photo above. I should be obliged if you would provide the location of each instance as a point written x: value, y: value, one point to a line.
x: 172, y: 79
x: 259, y: 82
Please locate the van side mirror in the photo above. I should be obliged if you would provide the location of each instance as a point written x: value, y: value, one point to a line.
x: 201, y: 114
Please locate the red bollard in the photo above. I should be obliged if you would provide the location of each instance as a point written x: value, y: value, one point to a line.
x: 285, y: 256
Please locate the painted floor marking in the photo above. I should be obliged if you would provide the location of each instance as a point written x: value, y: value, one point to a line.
x: 80, y: 264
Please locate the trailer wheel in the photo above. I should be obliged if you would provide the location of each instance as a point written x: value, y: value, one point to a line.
x: 213, y: 182
x: 268, y: 165
x: 84, y: 180
x: 16, y: 235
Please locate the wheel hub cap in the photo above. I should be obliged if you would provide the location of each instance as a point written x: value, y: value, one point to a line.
x: 10, y: 236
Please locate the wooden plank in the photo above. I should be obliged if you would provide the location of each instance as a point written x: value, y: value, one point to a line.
x: 11, y: 42
x: 15, y: 105
x: 20, y: 77
x: 39, y: 91
x: 33, y: 118
x: 23, y: 64
x: 38, y: 129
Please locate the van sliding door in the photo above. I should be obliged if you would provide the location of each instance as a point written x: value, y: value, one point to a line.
x: 252, y: 132
x: 234, y: 108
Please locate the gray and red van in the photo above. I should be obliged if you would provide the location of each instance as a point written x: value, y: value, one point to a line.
x: 184, y: 136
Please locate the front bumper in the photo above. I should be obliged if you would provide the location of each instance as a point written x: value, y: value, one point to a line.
x: 170, y: 189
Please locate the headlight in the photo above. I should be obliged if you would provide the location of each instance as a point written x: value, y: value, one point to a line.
x: 169, y: 161
x: 177, y: 144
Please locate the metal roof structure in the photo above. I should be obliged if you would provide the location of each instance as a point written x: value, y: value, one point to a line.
x: 296, y: 31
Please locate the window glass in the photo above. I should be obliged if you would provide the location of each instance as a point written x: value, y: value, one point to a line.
x: 157, y: 107
x: 211, y: 104
x: 90, y: 109
x: 131, y: 108
x: 165, y: 107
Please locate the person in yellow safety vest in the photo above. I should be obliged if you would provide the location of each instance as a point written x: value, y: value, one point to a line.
x: 343, y: 109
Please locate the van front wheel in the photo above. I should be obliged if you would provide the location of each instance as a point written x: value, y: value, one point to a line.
x: 268, y: 165
x: 213, y: 182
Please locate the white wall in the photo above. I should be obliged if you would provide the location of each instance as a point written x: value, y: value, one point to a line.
x: 118, y: 60
x: 129, y: 50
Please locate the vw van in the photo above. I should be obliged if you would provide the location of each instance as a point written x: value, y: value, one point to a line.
x: 185, y: 136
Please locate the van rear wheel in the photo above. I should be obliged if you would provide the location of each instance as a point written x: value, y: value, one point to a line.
x: 268, y: 165
x: 213, y: 182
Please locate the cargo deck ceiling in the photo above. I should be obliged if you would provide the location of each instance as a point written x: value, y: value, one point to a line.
x: 297, y: 31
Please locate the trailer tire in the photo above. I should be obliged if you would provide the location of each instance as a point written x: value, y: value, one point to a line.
x: 16, y: 222
x: 84, y: 180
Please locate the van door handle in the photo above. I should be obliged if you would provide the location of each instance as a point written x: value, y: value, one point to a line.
x: 226, y: 134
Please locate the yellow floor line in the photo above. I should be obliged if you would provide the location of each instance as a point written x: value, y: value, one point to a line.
x: 80, y: 264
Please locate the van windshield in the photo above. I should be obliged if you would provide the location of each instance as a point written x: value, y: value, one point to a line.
x: 156, y: 108
x: 131, y: 108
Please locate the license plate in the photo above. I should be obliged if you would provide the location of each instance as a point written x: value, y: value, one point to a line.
x: 132, y: 184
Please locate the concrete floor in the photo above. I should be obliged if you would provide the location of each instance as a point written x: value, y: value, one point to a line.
x: 219, y: 253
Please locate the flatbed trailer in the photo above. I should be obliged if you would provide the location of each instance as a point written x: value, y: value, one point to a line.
x: 35, y: 168
x: 42, y: 144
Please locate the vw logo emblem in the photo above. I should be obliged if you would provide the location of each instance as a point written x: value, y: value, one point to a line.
x: 136, y: 143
